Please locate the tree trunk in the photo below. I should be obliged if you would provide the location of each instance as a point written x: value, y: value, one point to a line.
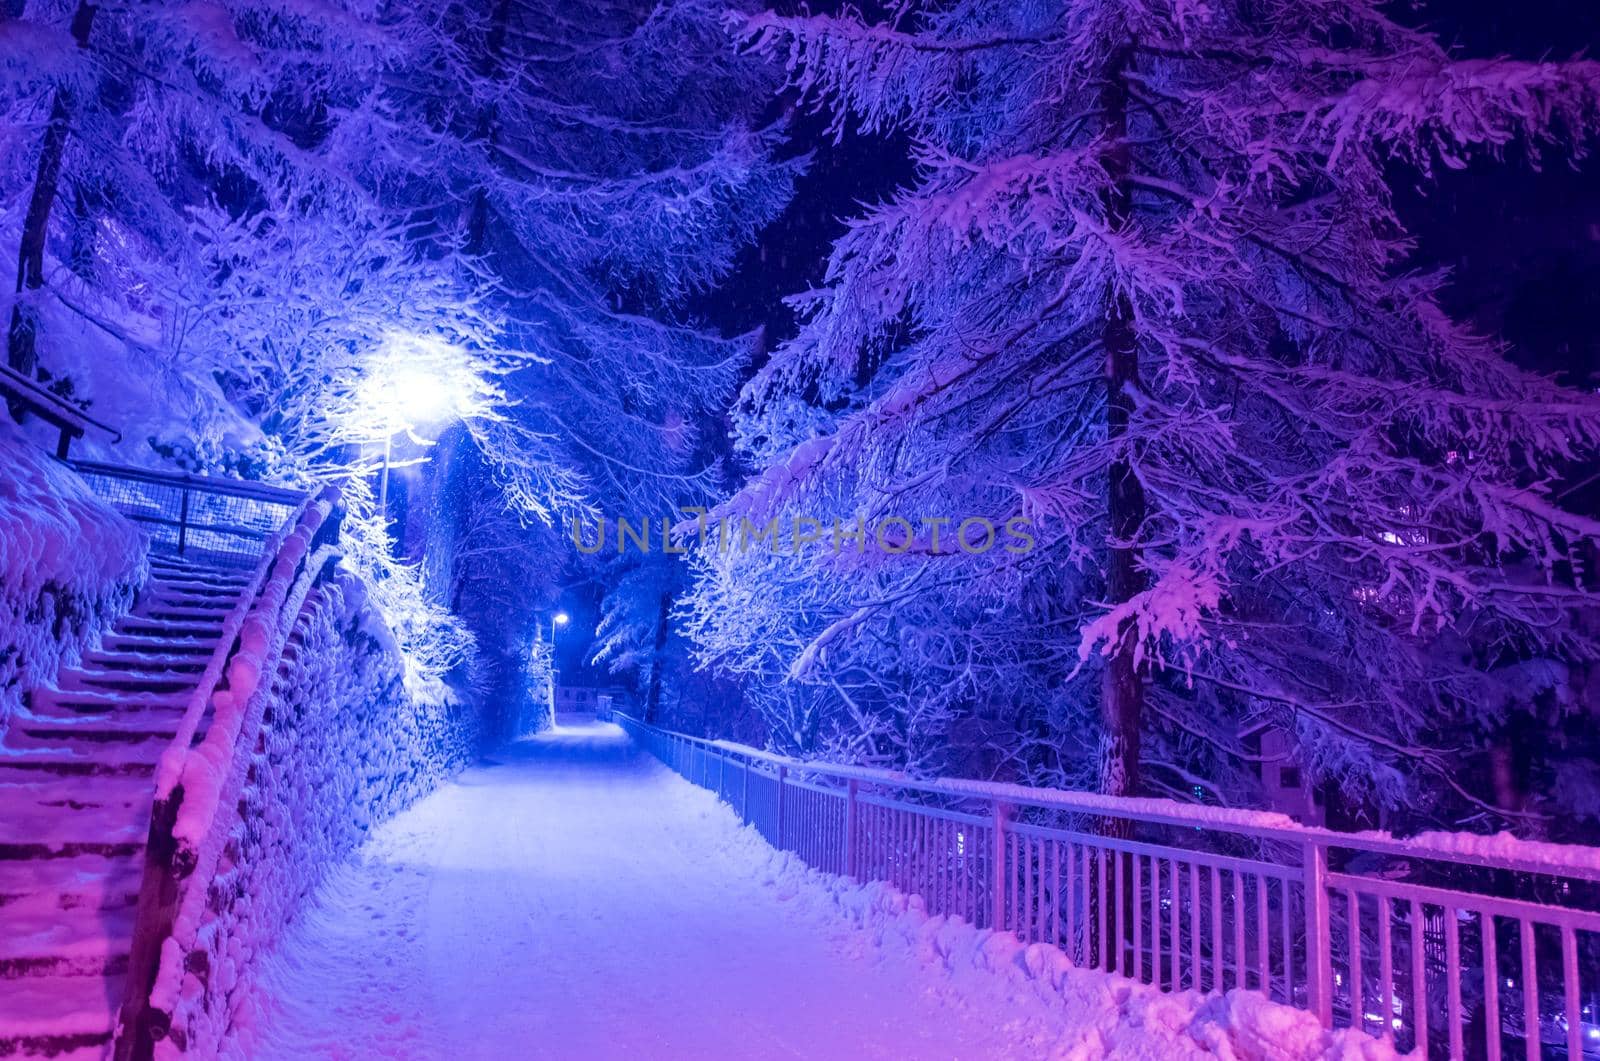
x: 652, y: 696
x: 489, y: 64
x: 21, y: 341
x: 1123, y: 690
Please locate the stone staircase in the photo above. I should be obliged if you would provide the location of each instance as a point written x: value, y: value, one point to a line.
x: 76, y: 786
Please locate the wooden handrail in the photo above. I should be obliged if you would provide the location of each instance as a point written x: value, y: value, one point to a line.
x: 71, y: 421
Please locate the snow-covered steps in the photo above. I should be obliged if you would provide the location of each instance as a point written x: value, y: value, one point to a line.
x: 194, y: 589
x: 59, y: 1016
x: 109, y: 740
x: 191, y: 614
x: 69, y: 943
x: 77, y: 772
x: 152, y: 661
x: 170, y: 630
x: 189, y: 593
x: 167, y: 570
x: 124, y: 643
x: 58, y: 886
x: 89, y: 702
x: 50, y: 795
x: 137, y: 681
x: 38, y: 765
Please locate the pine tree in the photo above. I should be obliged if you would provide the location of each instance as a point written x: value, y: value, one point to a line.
x: 1150, y: 291
x: 605, y: 164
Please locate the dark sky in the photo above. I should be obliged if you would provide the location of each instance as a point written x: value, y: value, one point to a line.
x: 1523, y: 241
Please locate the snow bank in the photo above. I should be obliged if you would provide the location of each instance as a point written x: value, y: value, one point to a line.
x: 342, y: 748
x: 69, y: 566
x: 1101, y: 1015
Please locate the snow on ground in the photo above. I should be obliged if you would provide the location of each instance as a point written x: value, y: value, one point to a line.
x: 575, y: 899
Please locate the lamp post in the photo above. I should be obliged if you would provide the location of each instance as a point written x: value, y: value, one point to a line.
x: 414, y: 383
x: 557, y: 620
x: 383, y: 483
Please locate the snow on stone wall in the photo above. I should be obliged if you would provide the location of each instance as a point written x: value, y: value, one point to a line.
x: 342, y: 747
x: 69, y: 566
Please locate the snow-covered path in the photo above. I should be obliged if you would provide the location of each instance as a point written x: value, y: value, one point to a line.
x: 578, y: 900
x: 575, y: 899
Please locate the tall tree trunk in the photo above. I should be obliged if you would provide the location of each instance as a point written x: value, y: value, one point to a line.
x: 489, y: 65
x: 652, y: 696
x: 1123, y: 690
x: 21, y: 341
x: 1122, y: 687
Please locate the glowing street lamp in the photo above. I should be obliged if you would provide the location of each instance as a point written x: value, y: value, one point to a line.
x: 558, y: 619
x: 413, y: 383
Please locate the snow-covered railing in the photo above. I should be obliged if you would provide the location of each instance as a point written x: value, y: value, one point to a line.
x: 200, y: 775
x: 1451, y: 944
x: 207, y: 515
x: 70, y: 422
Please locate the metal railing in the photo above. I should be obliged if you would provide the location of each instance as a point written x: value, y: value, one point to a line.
x: 193, y: 515
x: 1447, y: 944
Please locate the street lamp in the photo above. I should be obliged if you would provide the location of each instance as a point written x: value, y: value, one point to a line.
x: 558, y: 619
x: 407, y: 398
x: 414, y: 383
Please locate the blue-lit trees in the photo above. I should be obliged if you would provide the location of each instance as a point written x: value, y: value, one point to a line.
x: 1149, y: 292
x: 118, y: 120
x: 262, y: 199
x: 602, y: 167
x: 223, y: 271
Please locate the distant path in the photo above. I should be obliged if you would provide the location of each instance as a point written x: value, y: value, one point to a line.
x: 578, y: 900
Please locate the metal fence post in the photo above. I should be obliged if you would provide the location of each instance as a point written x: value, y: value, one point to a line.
x: 183, y: 521
x: 1319, y: 960
x: 997, y: 883
x: 783, y: 773
x: 850, y: 828
x: 744, y: 797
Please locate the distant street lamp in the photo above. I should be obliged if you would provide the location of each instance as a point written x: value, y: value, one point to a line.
x: 556, y: 620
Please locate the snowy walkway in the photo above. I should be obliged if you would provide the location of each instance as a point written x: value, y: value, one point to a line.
x: 578, y: 900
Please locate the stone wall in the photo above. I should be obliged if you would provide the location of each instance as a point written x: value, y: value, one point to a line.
x: 342, y: 747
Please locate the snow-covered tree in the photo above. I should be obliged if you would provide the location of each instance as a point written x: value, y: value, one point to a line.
x: 132, y: 113
x: 250, y: 296
x: 1149, y: 292
x: 274, y: 212
x: 604, y: 163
